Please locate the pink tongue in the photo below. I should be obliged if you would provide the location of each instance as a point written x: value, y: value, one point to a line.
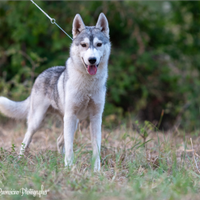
x: 92, y: 69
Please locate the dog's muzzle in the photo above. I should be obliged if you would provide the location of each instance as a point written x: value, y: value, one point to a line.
x: 91, y: 69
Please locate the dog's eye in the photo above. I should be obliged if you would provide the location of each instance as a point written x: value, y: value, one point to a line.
x: 83, y: 45
x: 99, y: 44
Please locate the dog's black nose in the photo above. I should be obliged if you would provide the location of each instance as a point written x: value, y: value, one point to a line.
x: 92, y: 60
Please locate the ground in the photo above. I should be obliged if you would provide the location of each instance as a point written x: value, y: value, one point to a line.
x: 165, y: 167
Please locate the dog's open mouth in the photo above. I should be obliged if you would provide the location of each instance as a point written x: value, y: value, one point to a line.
x: 91, y: 69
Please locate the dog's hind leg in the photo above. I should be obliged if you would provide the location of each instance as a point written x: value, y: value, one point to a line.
x: 35, y: 117
x: 60, y: 143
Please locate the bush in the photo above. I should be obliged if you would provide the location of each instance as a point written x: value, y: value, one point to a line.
x: 154, y: 64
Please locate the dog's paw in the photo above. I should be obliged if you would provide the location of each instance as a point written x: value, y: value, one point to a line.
x: 68, y: 163
x: 20, y: 156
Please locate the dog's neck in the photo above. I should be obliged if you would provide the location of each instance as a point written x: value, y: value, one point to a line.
x: 83, y: 80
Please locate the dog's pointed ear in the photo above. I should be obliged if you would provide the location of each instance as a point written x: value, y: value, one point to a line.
x: 78, y: 25
x: 102, y: 24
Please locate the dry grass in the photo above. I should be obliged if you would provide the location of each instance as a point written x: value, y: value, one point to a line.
x: 167, y: 168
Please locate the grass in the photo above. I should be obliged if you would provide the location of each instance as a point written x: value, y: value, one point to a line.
x: 166, y: 167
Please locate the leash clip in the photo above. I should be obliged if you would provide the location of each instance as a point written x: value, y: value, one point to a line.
x: 53, y: 21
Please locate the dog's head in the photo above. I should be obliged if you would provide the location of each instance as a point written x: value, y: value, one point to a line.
x: 90, y: 49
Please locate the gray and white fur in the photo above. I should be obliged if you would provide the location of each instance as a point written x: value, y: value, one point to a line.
x: 76, y: 90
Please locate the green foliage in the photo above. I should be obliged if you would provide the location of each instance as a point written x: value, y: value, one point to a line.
x: 154, y: 64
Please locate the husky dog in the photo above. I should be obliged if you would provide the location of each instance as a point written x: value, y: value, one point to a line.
x: 76, y: 91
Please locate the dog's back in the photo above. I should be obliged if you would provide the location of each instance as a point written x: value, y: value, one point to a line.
x: 45, y: 86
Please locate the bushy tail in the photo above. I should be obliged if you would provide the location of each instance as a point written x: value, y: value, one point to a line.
x: 13, y: 109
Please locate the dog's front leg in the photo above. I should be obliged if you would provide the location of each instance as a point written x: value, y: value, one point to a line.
x: 95, y: 131
x: 70, y: 121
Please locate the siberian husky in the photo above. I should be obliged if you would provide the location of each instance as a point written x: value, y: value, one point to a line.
x: 76, y: 90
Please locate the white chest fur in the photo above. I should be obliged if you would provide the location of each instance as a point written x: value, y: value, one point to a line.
x: 85, y: 94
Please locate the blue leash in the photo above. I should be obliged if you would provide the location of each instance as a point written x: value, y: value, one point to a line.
x: 53, y: 21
